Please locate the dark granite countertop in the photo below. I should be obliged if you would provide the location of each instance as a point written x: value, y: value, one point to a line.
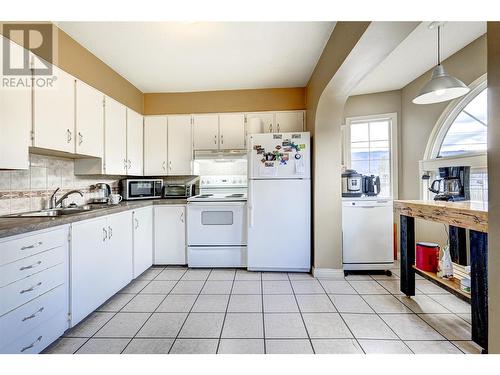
x: 19, y: 225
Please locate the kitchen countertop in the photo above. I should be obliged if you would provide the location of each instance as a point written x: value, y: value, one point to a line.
x: 19, y: 225
x: 465, y: 214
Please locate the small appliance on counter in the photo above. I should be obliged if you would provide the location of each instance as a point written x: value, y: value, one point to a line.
x: 355, y: 185
x: 453, y: 184
x: 102, y: 192
x: 352, y: 184
x: 141, y: 188
x: 180, y: 191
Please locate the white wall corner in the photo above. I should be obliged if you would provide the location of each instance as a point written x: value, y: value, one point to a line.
x: 327, y: 273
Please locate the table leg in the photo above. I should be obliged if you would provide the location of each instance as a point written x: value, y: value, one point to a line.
x: 479, y: 287
x: 458, y: 245
x: 407, y: 238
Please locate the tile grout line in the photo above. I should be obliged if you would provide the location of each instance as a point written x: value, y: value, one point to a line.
x: 262, y: 308
x: 151, y: 314
x: 190, y: 310
x: 300, y: 313
x: 225, y: 314
x: 341, y: 317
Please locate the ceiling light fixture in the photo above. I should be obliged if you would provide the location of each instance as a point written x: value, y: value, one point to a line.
x: 442, y: 86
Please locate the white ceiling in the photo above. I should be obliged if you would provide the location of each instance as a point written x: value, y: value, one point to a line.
x: 417, y: 54
x: 200, y: 56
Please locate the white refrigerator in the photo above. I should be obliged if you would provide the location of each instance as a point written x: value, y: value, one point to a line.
x: 279, y: 202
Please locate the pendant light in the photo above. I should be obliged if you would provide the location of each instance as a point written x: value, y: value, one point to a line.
x: 442, y: 86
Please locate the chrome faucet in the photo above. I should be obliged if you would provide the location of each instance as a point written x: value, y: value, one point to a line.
x: 56, y: 202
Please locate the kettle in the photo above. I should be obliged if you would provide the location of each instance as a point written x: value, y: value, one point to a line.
x: 371, y: 185
x: 102, y: 192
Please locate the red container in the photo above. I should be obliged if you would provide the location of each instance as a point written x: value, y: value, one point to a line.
x: 427, y: 256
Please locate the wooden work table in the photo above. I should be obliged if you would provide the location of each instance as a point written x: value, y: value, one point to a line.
x: 460, y: 216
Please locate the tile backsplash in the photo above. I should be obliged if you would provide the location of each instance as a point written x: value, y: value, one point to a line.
x: 29, y: 190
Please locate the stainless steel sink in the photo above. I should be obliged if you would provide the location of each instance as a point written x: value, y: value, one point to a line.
x: 55, y: 212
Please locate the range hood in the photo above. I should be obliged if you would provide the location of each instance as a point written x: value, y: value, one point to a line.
x: 220, y: 155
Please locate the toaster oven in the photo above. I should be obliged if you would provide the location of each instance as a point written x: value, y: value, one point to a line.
x: 179, y: 190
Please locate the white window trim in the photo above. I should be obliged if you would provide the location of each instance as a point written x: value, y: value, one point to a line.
x: 393, y: 117
x: 449, y: 115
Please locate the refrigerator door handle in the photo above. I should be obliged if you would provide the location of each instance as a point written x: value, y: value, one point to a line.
x: 250, y: 206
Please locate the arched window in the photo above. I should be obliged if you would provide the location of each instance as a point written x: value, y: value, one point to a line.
x: 467, y: 132
x: 460, y: 138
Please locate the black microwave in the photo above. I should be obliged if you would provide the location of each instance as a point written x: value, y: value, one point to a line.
x: 141, y: 188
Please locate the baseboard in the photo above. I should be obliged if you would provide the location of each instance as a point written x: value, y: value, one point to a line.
x: 325, y: 273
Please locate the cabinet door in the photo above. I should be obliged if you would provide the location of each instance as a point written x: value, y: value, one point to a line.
x: 15, y: 118
x: 54, y: 114
x: 260, y: 122
x: 135, y: 133
x: 89, y: 121
x: 169, y: 235
x: 89, y: 273
x: 206, y: 132
x: 232, y: 131
x: 119, y: 251
x: 143, y: 240
x: 155, y: 145
x: 115, y: 137
x: 180, y: 151
x: 289, y: 122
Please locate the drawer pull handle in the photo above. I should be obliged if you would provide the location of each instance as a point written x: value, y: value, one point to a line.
x: 110, y: 232
x: 30, y: 266
x: 136, y: 223
x: 105, y: 234
x: 30, y: 289
x: 32, y: 344
x: 32, y: 246
x: 32, y: 315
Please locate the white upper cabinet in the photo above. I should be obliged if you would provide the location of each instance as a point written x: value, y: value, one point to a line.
x: 231, y: 131
x: 134, y: 143
x: 15, y: 119
x: 155, y: 145
x: 54, y: 114
x: 206, y: 132
x: 179, y: 145
x: 292, y: 121
x: 260, y: 122
x: 89, y: 120
x: 115, y: 137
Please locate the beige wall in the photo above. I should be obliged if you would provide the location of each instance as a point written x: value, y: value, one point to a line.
x: 494, y: 180
x: 225, y: 101
x: 82, y: 64
x: 372, y: 104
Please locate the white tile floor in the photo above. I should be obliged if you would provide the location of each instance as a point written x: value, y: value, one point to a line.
x: 180, y: 310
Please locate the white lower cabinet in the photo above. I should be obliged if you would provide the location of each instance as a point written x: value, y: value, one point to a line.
x: 170, y: 234
x: 34, y: 282
x: 143, y: 239
x: 101, y: 261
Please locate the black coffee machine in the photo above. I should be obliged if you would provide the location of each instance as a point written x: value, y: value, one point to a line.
x: 453, y: 184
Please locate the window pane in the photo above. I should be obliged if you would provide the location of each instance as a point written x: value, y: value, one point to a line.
x: 359, y: 132
x: 379, y: 131
x: 361, y: 166
x: 468, y: 132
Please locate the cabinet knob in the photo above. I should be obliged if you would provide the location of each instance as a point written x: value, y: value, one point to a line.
x: 278, y: 127
x: 182, y: 217
x: 80, y: 138
x: 170, y: 165
x: 136, y: 223
x: 215, y: 138
x: 163, y: 166
x: 110, y: 232
x: 104, y: 234
x: 32, y: 344
x: 69, y: 135
x: 270, y: 128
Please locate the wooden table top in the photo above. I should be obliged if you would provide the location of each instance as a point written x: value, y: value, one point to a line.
x: 465, y: 214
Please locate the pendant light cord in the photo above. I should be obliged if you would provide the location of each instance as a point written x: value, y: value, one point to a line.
x: 439, y: 45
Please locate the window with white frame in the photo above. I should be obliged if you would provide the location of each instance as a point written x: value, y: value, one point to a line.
x: 370, y: 146
x: 460, y: 138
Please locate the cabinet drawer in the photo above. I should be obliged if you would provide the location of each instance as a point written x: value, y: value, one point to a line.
x: 24, y: 319
x: 20, y: 269
x: 25, y: 246
x: 22, y: 291
x: 38, y: 338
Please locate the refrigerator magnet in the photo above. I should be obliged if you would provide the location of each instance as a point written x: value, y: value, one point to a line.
x: 269, y: 164
x: 287, y: 149
x: 278, y: 147
x: 260, y: 151
x: 277, y: 136
x: 263, y: 160
x: 302, y: 146
x: 256, y: 147
x: 298, y: 156
x: 285, y: 157
x: 296, y: 136
x: 286, y: 143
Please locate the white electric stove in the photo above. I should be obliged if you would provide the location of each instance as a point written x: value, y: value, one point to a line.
x: 217, y: 223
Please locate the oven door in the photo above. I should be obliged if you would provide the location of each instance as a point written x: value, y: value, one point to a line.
x: 216, y: 224
x: 138, y: 189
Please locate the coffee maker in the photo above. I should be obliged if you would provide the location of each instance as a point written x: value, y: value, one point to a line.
x: 453, y: 184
